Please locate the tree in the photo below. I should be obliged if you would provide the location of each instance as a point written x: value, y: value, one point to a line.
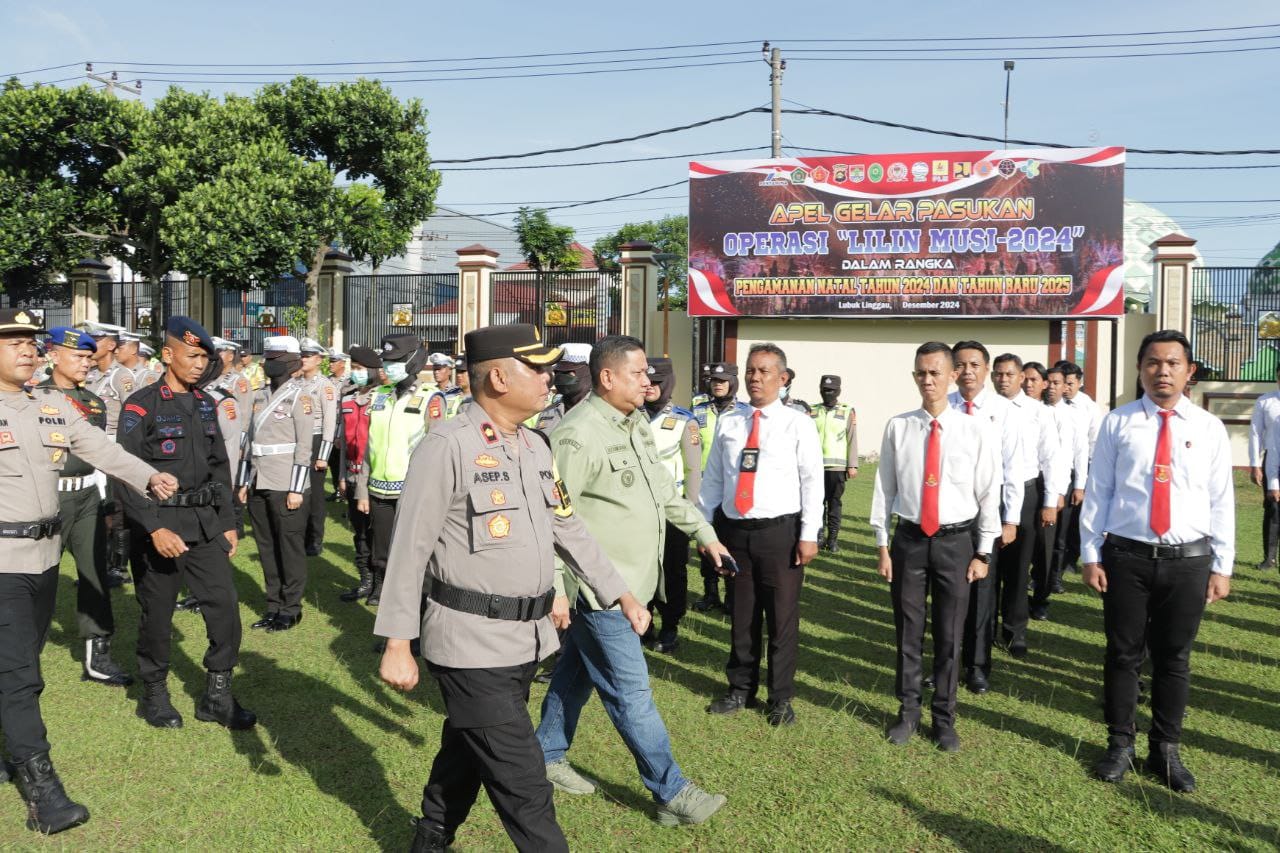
x: 374, y: 148
x: 668, y: 235
x: 546, y: 247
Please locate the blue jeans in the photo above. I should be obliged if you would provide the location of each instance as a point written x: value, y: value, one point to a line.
x: 600, y: 650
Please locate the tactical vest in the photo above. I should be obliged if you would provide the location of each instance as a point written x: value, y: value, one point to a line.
x: 833, y: 433
x: 668, y: 428
x: 394, y: 431
x: 706, y: 415
x: 453, y: 402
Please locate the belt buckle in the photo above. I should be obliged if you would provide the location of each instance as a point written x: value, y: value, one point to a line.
x: 495, y: 607
x: 32, y: 531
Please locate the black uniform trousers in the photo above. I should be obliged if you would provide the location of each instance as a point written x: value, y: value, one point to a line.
x: 833, y: 482
x: 313, y: 504
x: 675, y: 582
x: 766, y: 592
x: 488, y: 739
x: 26, y: 608
x: 1011, y: 567
x: 84, y: 534
x: 980, y: 615
x: 925, y: 566
x: 1068, y: 519
x: 382, y: 519
x: 206, y: 571
x: 361, y: 535
x: 279, y: 531
x: 1152, y: 605
x: 1042, y: 561
x: 1270, y: 520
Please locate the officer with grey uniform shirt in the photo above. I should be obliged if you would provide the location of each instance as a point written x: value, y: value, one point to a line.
x: 129, y: 356
x: 113, y: 383
x: 38, y: 428
x: 276, y: 473
x: 482, y: 519
x: 321, y: 390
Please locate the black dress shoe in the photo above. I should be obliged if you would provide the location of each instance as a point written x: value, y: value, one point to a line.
x: 1018, y: 651
x: 927, y: 682
x: 732, y: 703
x: 1114, y: 764
x: 781, y: 714
x: 976, y: 680
x: 190, y: 603
x: 945, y: 738
x: 283, y: 622
x: 1164, y: 763
x: 707, y: 602
x: 1265, y: 565
x: 1040, y: 613
x: 902, y: 729
x: 266, y: 621
x: 665, y: 645
x: 313, y: 551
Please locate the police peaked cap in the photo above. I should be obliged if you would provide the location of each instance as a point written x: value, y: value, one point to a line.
x: 515, y: 340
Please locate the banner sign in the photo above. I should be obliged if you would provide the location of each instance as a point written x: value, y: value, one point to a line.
x: 1017, y: 233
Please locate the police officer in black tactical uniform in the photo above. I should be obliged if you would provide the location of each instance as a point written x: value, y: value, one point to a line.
x: 189, y: 537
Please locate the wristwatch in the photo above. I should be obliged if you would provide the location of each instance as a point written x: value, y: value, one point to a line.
x: 982, y: 557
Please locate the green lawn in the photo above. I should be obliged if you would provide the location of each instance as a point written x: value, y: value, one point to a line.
x: 338, y: 761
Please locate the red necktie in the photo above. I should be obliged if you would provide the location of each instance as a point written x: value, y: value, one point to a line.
x: 745, y: 499
x: 932, y: 480
x: 1161, y: 477
x: 968, y: 407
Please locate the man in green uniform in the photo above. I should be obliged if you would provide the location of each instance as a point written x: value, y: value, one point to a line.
x: 609, y: 460
x: 722, y: 386
x: 838, y: 431
x: 84, y: 528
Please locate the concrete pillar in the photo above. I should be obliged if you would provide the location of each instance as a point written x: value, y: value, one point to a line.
x: 476, y: 264
x: 640, y: 292
x: 202, y: 302
x: 330, y: 297
x: 1174, y: 254
x: 86, y: 279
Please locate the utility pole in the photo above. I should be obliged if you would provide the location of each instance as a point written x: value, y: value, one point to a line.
x: 776, y: 66
x: 113, y: 82
x: 1008, y: 77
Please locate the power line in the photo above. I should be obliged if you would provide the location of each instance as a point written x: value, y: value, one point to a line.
x: 997, y: 56
x: 544, y: 201
x: 39, y: 70
x: 680, y: 182
x: 1109, y: 46
x: 1029, y: 37
x: 606, y: 162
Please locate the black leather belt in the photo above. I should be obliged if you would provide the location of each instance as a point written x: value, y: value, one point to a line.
x: 206, y: 495
x: 910, y: 528
x: 31, y: 529
x: 760, y: 523
x: 511, y: 608
x: 1157, y: 551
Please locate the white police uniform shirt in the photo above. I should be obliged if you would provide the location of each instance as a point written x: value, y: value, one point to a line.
x: 1075, y: 442
x: 789, y: 472
x: 1005, y: 419
x: 1041, y: 448
x: 1263, y: 425
x: 970, y: 482
x: 1201, y: 496
x: 1090, y: 417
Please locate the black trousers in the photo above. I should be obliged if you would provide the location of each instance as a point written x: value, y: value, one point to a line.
x: 84, y: 534
x: 360, y: 532
x: 206, y: 571
x: 488, y: 739
x: 1152, y: 605
x: 675, y: 582
x: 1071, y: 547
x: 980, y: 615
x: 26, y: 608
x: 832, y: 491
x: 1270, y: 521
x: 926, y: 566
x: 313, y: 504
x: 766, y: 594
x: 279, y: 532
x: 1042, y: 561
x: 382, y: 518
x: 1067, y: 519
x: 1012, y: 565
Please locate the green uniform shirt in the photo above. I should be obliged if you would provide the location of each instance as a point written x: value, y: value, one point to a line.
x: 623, y: 491
x: 89, y: 405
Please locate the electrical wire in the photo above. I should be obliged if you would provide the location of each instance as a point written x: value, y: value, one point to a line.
x: 1110, y: 46
x: 1039, y: 38
x: 606, y: 162
x: 680, y: 182
x: 998, y: 56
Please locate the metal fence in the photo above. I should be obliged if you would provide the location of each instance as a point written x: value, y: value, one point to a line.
x: 248, y: 316
x: 425, y: 305
x: 581, y: 306
x: 128, y: 303
x: 51, y: 306
x: 1235, y: 322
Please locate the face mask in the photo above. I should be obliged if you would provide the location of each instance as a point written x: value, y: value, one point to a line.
x: 279, y: 368
x: 359, y: 378
x: 395, y: 371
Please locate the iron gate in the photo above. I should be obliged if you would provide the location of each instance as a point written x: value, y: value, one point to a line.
x: 581, y: 306
x: 1235, y: 322
x: 423, y: 304
x: 248, y: 316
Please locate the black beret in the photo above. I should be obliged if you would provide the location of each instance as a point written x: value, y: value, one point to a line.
x: 189, y: 332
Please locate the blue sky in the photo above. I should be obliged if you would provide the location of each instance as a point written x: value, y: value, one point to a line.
x: 1200, y: 101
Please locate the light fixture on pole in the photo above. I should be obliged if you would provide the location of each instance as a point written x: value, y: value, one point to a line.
x: 1008, y: 77
x: 663, y: 259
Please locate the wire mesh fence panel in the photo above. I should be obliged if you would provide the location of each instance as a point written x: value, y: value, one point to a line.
x: 1235, y: 322
x: 425, y: 305
x: 578, y: 306
x: 47, y: 304
x: 248, y: 316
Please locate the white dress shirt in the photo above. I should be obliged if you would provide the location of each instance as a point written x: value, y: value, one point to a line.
x: 789, y: 472
x: 990, y: 406
x: 1201, y: 499
x: 1041, y: 448
x: 1263, y: 425
x: 1074, y: 442
x: 970, y: 481
x: 1271, y: 470
x: 1090, y: 415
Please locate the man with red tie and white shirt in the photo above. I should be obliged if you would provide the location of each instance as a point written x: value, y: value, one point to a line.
x: 1158, y: 541
x: 940, y: 474
x: 763, y: 491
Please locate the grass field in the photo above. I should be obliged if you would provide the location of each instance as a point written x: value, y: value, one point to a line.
x: 337, y: 761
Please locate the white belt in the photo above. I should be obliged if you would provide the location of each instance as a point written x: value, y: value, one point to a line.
x: 75, y: 484
x: 272, y: 449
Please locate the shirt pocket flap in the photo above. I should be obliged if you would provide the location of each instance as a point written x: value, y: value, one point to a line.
x: 620, y: 460
x: 488, y: 497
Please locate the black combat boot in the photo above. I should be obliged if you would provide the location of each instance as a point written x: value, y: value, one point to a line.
x: 156, y: 708
x: 362, y: 590
x: 49, y: 809
x: 430, y: 837
x: 219, y: 706
x: 99, y: 667
x: 375, y: 590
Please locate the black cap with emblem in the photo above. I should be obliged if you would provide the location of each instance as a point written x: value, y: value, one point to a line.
x: 829, y: 383
x: 516, y: 340
x: 189, y: 332
x: 399, y: 347
x: 15, y: 321
x: 661, y: 374
x: 365, y: 357
x: 722, y: 370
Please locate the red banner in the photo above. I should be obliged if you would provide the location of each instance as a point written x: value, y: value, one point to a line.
x: 1018, y: 233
